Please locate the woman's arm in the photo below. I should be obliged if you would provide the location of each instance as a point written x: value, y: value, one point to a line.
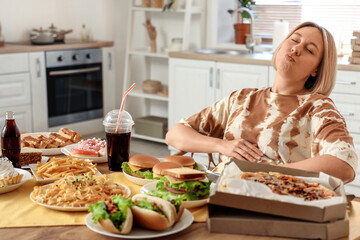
x: 327, y: 164
x: 189, y: 140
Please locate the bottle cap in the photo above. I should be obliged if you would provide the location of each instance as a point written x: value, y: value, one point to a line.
x: 9, y: 115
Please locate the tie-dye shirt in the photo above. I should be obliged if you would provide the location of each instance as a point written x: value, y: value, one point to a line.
x: 286, y: 128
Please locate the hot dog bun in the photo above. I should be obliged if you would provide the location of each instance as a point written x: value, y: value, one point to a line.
x: 150, y: 219
x: 126, y: 227
x: 179, y: 213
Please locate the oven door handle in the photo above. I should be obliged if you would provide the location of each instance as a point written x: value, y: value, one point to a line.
x: 75, y: 71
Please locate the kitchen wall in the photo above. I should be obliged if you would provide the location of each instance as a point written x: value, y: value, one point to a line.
x: 106, y: 20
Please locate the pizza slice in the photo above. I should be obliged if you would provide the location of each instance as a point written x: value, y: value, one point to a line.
x: 288, y: 185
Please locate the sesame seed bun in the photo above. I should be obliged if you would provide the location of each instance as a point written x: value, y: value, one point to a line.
x: 186, y: 161
x: 143, y: 161
x: 158, y: 169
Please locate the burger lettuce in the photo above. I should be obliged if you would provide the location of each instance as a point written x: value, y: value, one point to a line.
x: 99, y: 210
x: 195, y: 190
x: 145, y: 174
x: 196, y: 166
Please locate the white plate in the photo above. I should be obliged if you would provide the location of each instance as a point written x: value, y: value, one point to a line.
x: 43, y: 160
x: 141, y: 233
x: 27, y: 176
x: 201, y: 167
x: 46, y: 151
x: 49, y: 180
x: 187, y: 204
x: 139, y: 181
x: 66, y: 150
x: 72, y: 209
x: 143, y: 181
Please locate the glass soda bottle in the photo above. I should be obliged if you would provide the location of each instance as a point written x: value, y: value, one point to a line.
x: 10, y: 140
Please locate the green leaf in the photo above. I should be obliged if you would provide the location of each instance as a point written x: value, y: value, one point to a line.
x: 147, y: 174
x: 148, y: 205
x: 203, y: 189
x: 98, y: 210
x: 122, y: 203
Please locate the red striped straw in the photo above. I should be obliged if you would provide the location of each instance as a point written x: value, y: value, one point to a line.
x: 122, y: 107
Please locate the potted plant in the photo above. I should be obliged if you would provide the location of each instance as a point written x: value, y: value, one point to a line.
x: 168, y: 5
x: 242, y: 25
x: 174, y: 4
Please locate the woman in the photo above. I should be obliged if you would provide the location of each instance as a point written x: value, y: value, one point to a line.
x: 293, y: 123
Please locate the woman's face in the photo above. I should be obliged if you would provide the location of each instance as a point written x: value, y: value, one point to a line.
x: 300, y: 54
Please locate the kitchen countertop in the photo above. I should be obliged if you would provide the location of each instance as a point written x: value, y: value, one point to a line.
x: 69, y: 44
x: 259, y: 59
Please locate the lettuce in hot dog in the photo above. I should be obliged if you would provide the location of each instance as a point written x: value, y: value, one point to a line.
x: 114, y: 215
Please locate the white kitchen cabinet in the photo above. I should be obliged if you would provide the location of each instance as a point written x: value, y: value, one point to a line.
x: 231, y: 76
x: 38, y: 91
x: 14, y: 89
x: 14, y: 63
x: 191, y: 87
x: 109, y: 81
x: 23, y: 116
x: 196, y: 84
x: 15, y: 93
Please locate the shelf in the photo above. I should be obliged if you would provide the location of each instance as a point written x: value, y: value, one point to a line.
x: 144, y: 52
x: 141, y: 63
x: 160, y: 140
x: 194, y: 10
x: 140, y: 93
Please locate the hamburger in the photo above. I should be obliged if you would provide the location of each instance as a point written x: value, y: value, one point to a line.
x: 182, y: 184
x: 159, y: 168
x: 152, y: 212
x: 185, y: 161
x: 114, y: 215
x: 140, y: 166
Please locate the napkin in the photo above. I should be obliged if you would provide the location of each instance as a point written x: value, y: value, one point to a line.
x: 17, y: 210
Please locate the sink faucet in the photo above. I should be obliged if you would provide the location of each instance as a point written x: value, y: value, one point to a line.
x: 250, y: 43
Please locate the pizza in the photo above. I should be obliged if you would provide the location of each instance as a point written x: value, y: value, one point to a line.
x: 289, y: 185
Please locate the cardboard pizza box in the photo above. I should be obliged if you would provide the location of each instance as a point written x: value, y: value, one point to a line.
x: 281, y: 208
x: 235, y: 221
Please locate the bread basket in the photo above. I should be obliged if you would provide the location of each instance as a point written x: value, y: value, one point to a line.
x: 151, y: 86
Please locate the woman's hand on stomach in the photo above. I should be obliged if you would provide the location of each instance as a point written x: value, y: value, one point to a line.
x: 241, y: 149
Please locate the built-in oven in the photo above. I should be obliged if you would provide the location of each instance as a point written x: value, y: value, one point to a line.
x: 74, y: 85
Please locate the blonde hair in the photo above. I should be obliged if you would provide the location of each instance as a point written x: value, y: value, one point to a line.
x: 326, y: 72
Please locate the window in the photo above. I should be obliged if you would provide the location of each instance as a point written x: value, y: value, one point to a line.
x: 341, y: 18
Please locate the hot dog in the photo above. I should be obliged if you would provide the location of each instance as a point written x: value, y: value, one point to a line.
x: 115, y: 215
x: 152, y: 212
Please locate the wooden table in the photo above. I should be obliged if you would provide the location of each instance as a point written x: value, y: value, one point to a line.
x: 195, y: 231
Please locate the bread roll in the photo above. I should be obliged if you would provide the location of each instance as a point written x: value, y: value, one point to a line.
x: 150, y: 219
x: 126, y: 227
